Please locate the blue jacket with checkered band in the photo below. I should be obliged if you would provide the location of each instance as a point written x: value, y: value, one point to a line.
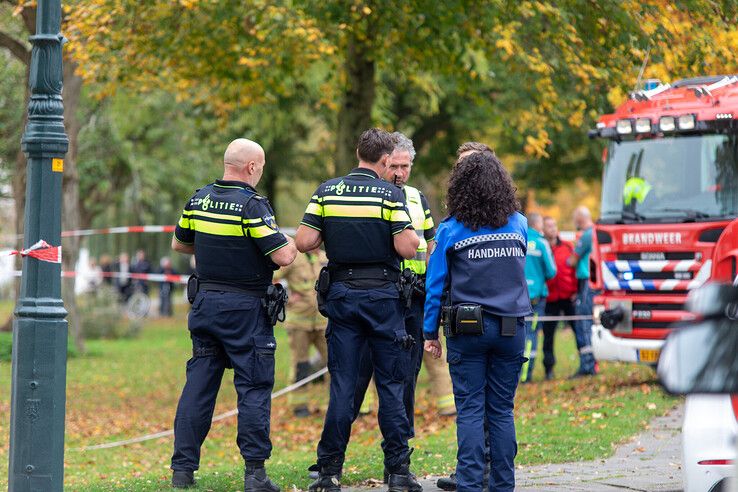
x: 485, y: 267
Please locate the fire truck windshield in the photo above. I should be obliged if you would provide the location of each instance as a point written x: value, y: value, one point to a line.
x: 671, y: 179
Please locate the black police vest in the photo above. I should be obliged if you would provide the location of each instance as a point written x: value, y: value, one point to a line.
x: 223, y: 253
x: 489, y: 269
x: 355, y: 235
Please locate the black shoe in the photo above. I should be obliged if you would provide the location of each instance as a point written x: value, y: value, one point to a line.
x: 326, y: 483
x: 403, y: 481
x: 301, y: 411
x: 447, y: 483
x: 256, y: 480
x: 183, y: 479
x: 582, y: 374
x: 313, y: 475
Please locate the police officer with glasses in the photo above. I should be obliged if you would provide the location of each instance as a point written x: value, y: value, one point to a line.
x: 476, y: 288
x: 366, y: 229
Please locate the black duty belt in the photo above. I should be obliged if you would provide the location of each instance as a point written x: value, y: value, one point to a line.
x: 216, y: 286
x: 344, y: 274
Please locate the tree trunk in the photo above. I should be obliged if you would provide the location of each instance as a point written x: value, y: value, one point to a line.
x: 355, y: 114
x: 71, y: 202
x: 18, y: 186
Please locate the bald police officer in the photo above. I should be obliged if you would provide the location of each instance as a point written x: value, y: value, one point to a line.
x: 366, y: 229
x: 237, y: 246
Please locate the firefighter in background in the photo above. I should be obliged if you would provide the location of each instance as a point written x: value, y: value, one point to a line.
x: 305, y: 326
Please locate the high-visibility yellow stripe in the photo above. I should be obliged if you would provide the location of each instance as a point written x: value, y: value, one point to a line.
x: 445, y: 401
x: 253, y: 221
x: 215, y: 228
x: 342, y: 198
x: 428, y: 223
x: 211, y: 215
x: 261, y: 231
x: 398, y: 216
x: 388, y: 203
x: 314, y: 208
x: 184, y: 223
x: 415, y: 266
x: 365, y: 211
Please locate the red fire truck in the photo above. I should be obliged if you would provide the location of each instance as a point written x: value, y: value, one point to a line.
x: 668, y: 215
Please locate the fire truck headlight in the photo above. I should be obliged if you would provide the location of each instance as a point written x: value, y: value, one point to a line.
x: 686, y: 122
x: 667, y: 124
x: 624, y: 127
x: 643, y: 125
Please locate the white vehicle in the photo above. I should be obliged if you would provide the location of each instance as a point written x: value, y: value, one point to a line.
x: 709, y: 442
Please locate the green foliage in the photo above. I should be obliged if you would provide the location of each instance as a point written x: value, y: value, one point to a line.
x: 101, y: 315
x: 6, y: 345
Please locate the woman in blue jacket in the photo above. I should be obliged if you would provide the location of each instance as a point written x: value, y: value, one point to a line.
x: 476, y: 283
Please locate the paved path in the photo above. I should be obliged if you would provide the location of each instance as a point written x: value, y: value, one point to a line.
x: 649, y: 462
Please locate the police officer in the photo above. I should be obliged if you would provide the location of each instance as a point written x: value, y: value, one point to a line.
x: 483, y: 313
x: 305, y: 326
x: 449, y: 483
x: 398, y: 173
x: 366, y: 229
x: 232, y: 232
x: 539, y: 267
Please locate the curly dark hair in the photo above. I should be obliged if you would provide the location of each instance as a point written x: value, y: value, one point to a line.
x: 481, y: 192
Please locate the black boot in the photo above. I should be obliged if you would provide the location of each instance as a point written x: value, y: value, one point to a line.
x: 255, y: 479
x: 183, y: 479
x: 401, y: 480
x: 447, y: 483
x: 326, y: 482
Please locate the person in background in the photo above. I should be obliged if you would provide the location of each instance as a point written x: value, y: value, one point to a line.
x: 106, y: 268
x: 580, y: 260
x: 562, y: 291
x: 122, y: 268
x: 141, y: 265
x: 95, y: 275
x: 305, y: 325
x: 166, y: 288
x: 539, y: 267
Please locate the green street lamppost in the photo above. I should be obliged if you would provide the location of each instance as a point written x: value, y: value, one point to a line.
x: 40, y: 328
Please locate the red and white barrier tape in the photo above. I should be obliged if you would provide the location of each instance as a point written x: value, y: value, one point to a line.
x: 128, y: 230
x: 42, y: 251
x: 151, y: 277
x: 118, y: 230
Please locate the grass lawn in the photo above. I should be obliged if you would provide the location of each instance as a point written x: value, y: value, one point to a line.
x: 125, y: 388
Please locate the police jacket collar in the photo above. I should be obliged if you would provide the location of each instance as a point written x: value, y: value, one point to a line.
x: 363, y: 171
x: 221, y: 183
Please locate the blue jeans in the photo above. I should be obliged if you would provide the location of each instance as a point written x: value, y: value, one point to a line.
x: 484, y: 371
x: 583, y: 328
x: 359, y: 317
x: 531, y: 330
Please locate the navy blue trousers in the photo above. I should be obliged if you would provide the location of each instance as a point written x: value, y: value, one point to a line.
x: 414, y: 327
x: 226, y: 327
x: 359, y: 317
x: 484, y: 372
